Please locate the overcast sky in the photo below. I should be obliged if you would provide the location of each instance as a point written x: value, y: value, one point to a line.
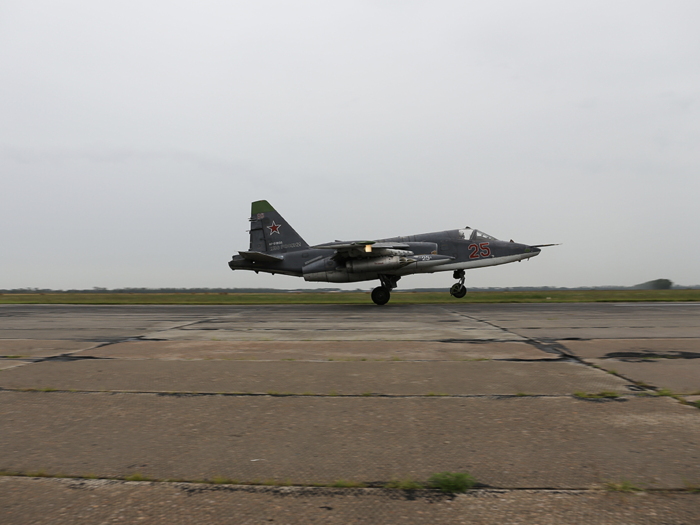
x: 134, y: 135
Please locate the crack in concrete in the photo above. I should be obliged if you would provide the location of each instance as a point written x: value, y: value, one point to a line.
x: 556, y: 348
x: 550, y: 348
x: 637, y: 385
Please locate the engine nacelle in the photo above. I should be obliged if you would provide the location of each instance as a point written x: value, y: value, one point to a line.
x: 377, y: 264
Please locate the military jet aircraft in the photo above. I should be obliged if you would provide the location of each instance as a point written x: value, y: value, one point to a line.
x: 276, y: 248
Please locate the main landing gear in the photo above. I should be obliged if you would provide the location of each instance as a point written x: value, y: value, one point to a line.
x: 458, y: 289
x: 382, y: 294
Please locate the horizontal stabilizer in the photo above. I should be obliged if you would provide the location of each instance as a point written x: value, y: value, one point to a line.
x: 261, y: 257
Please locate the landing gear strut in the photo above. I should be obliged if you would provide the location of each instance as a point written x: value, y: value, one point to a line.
x: 458, y: 289
x: 382, y: 294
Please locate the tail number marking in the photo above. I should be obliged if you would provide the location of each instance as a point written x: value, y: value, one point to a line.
x: 482, y: 249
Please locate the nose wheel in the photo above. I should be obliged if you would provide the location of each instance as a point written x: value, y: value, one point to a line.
x: 458, y: 289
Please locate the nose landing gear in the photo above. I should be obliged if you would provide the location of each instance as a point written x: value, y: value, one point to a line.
x: 458, y: 289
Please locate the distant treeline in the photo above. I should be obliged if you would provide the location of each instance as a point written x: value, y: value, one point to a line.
x: 658, y: 284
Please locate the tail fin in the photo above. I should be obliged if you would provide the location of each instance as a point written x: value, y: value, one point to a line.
x: 269, y: 232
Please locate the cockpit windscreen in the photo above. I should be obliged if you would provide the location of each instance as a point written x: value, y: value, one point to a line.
x: 470, y: 233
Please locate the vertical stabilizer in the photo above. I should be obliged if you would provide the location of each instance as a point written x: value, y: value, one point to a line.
x: 269, y: 232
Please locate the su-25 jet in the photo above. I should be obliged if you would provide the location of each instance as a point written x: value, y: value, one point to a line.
x: 276, y: 248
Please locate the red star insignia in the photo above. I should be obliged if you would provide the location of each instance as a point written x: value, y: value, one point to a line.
x: 275, y: 228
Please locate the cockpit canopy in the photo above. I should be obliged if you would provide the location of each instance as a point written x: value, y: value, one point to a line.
x: 472, y: 234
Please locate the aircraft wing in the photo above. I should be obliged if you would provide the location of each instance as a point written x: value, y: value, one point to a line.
x: 351, y: 249
x: 351, y: 245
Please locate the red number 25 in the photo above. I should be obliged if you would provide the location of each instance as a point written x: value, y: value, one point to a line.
x: 479, y: 249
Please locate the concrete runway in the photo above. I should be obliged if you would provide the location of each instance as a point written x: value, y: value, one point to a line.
x: 310, y: 395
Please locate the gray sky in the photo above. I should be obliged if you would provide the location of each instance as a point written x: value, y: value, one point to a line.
x: 134, y: 135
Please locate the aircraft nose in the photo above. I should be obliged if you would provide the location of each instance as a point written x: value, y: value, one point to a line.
x: 525, y: 249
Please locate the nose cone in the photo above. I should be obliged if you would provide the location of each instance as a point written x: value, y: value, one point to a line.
x: 523, y: 251
x: 529, y: 251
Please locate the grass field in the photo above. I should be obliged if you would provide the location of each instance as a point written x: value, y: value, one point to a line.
x: 559, y: 296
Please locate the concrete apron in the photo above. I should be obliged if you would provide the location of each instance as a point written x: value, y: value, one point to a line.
x: 516, y: 442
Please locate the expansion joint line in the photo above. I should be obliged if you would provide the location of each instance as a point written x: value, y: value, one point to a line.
x: 369, y: 487
x: 49, y: 390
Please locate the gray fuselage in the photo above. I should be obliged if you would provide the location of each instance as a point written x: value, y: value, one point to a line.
x: 448, y: 250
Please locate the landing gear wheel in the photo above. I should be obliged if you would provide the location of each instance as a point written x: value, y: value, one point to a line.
x: 458, y: 290
x: 381, y: 295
